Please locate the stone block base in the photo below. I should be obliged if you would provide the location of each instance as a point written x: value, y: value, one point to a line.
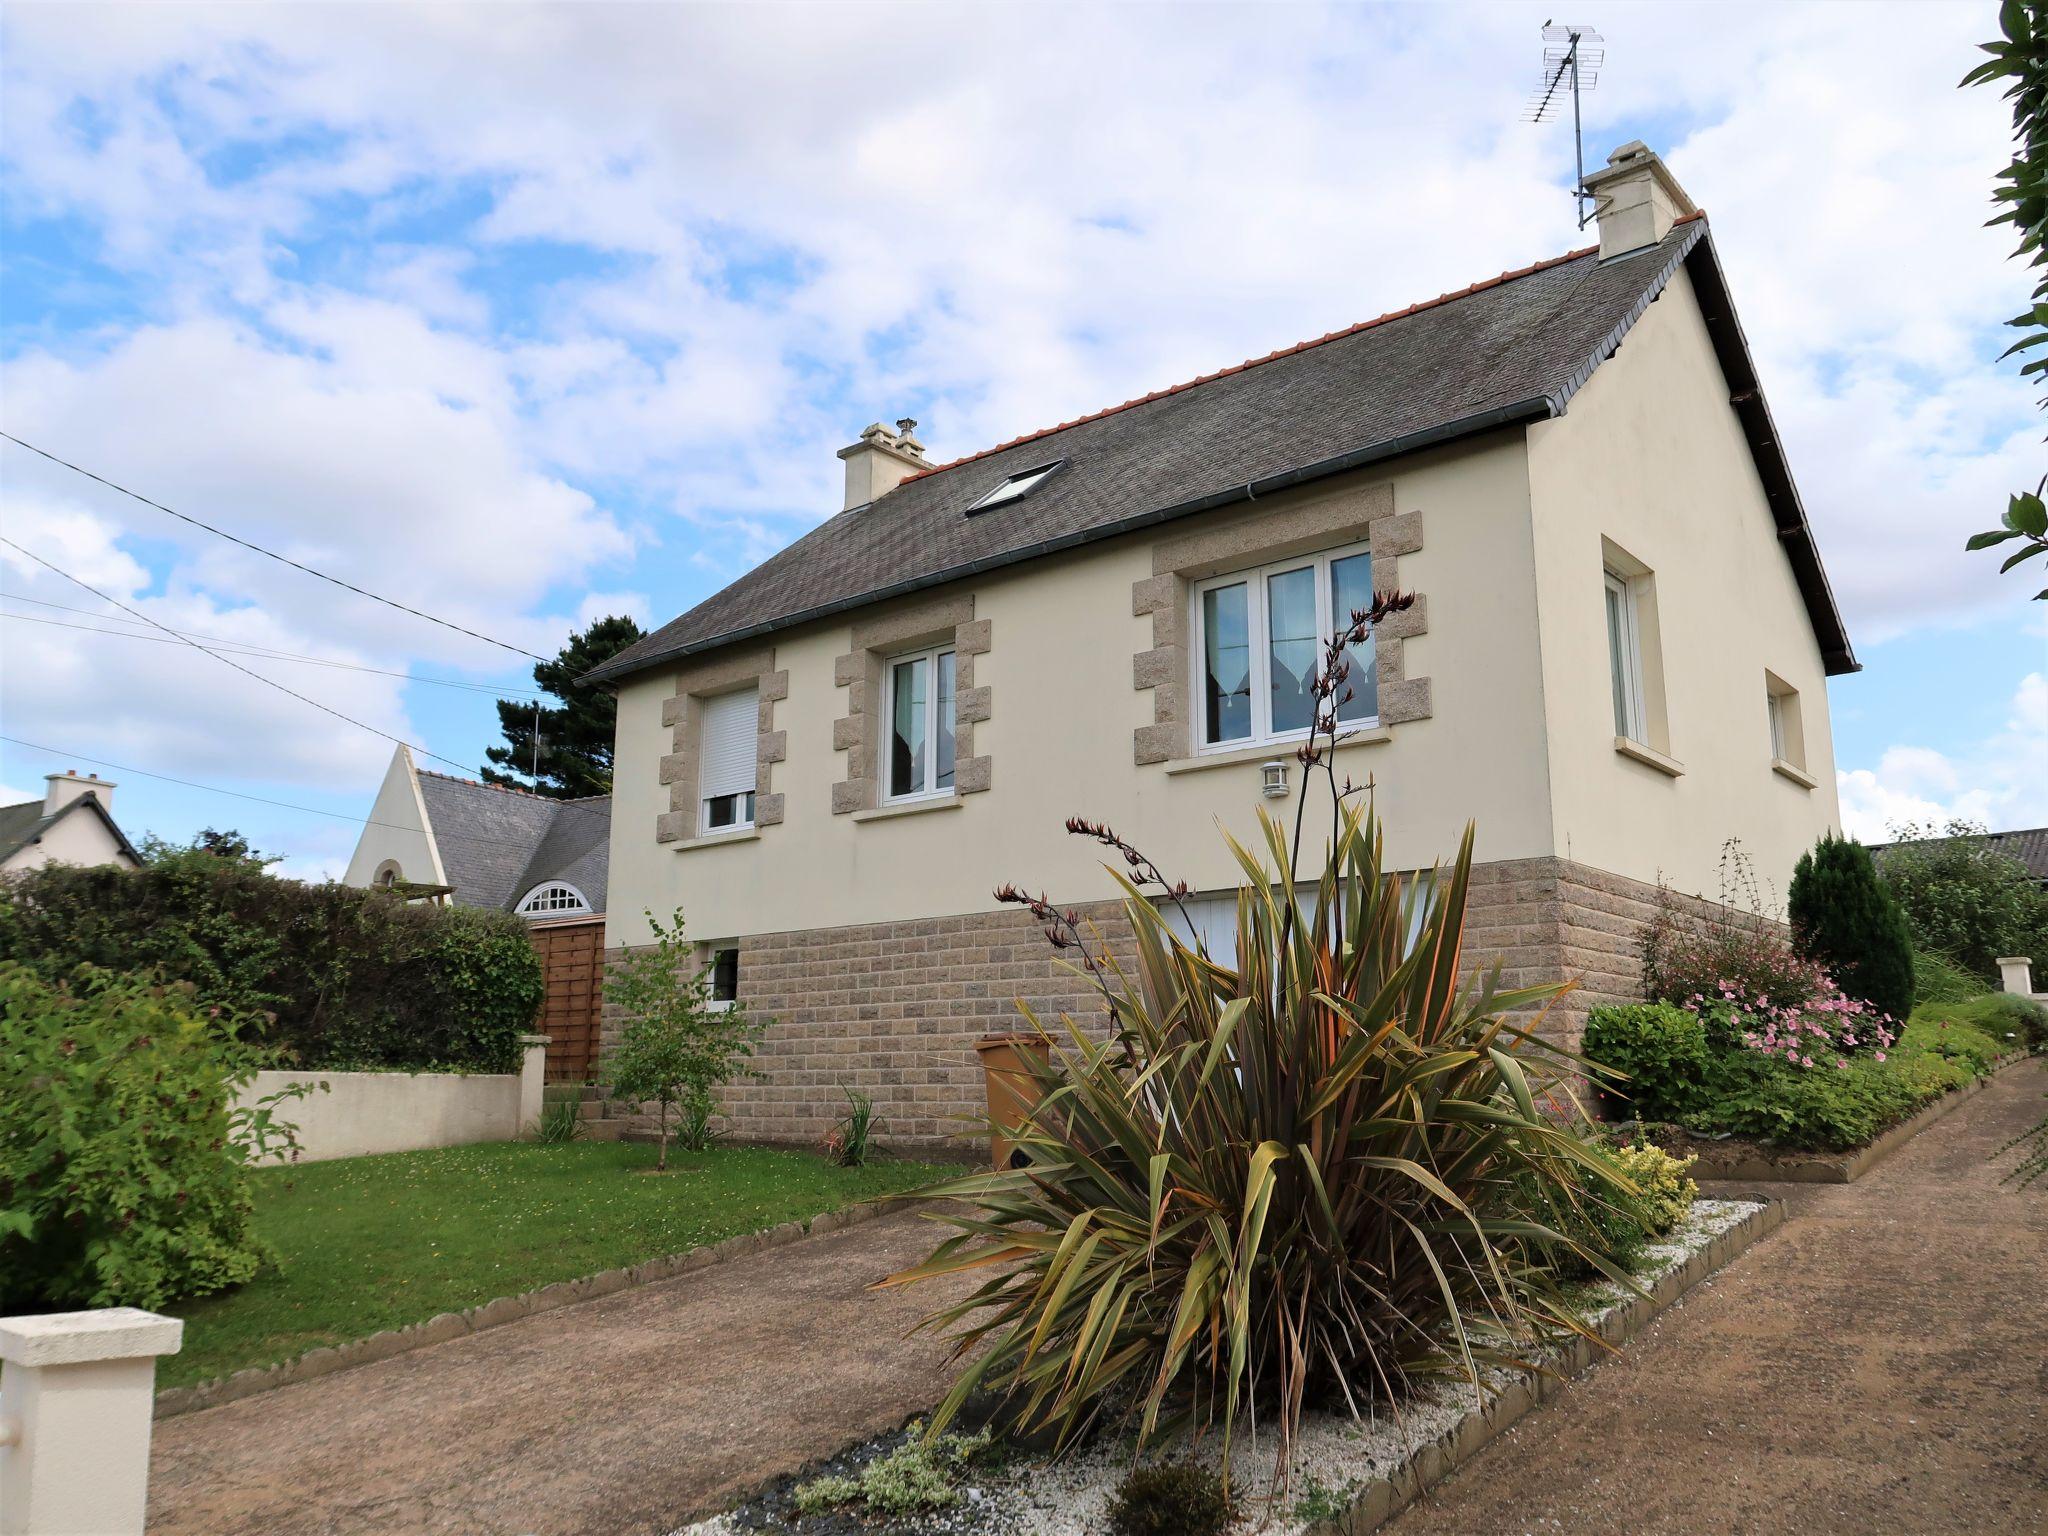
x: 892, y: 1010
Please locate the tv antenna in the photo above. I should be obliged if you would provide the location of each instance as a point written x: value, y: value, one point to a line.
x: 1572, y: 57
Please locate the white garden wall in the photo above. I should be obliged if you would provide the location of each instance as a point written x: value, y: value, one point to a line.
x: 365, y: 1112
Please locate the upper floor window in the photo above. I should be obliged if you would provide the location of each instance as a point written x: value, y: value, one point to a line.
x: 919, y: 689
x: 553, y: 898
x: 1625, y: 658
x: 728, y: 745
x: 1259, y: 639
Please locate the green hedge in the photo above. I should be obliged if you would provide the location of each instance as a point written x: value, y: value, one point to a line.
x: 354, y: 978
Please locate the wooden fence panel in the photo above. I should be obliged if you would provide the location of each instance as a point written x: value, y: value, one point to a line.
x: 572, y: 958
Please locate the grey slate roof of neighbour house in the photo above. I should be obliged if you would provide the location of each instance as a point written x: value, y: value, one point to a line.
x: 2028, y: 845
x: 498, y: 844
x: 23, y: 823
x: 1513, y: 349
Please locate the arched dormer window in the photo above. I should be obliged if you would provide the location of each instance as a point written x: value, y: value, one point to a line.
x: 388, y: 874
x: 552, y: 898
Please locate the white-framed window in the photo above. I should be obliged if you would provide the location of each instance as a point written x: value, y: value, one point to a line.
x: 919, y: 745
x: 1625, y: 658
x: 1258, y: 640
x: 552, y: 898
x: 1020, y: 484
x: 727, y: 746
x: 725, y: 975
x: 1774, y: 706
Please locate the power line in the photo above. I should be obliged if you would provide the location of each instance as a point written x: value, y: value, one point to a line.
x: 216, y: 789
x: 237, y: 648
x: 564, y: 805
x: 268, y: 682
x: 269, y: 553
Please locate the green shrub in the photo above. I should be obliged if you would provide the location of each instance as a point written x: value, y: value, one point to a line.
x: 1274, y: 1182
x: 1845, y: 920
x: 919, y: 1474
x: 353, y: 978
x: 1604, y: 1219
x: 1176, y: 1499
x: 851, y: 1142
x: 2012, y: 1022
x: 124, y: 1163
x: 1938, y: 979
x: 1963, y: 898
x: 1661, y: 1049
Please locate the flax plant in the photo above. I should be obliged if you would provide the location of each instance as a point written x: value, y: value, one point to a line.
x: 1308, y: 1175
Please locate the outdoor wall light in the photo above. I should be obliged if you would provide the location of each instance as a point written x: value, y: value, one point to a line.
x: 1274, y: 786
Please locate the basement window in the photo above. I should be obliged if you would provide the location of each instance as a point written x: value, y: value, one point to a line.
x: 1023, y: 483
x: 725, y: 975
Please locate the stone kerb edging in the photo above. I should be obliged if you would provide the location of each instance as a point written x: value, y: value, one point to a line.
x: 172, y: 1401
x: 1381, y: 1499
x: 1749, y: 1164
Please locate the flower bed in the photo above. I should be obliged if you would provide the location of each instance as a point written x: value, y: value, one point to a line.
x: 1344, y: 1468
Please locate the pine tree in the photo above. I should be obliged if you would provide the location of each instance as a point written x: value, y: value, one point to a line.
x: 1845, y: 919
x: 575, y: 756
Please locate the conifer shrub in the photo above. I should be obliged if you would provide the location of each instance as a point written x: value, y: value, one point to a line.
x: 1847, y: 922
x: 1170, y: 1499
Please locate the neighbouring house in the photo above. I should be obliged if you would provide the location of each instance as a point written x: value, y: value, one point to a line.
x: 434, y: 837
x: 72, y: 824
x: 1617, y: 661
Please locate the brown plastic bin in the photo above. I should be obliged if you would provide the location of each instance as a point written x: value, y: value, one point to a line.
x: 1006, y: 1062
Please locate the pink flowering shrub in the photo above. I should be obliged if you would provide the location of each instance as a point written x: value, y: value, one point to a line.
x: 1736, y: 968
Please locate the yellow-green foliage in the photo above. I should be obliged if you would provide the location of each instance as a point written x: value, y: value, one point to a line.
x: 918, y: 1474
x: 1665, y: 1193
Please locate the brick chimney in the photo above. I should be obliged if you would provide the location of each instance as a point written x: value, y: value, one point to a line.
x: 67, y: 786
x: 1636, y: 198
x: 881, y: 461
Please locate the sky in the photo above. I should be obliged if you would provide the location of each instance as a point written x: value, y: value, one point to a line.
x: 522, y: 316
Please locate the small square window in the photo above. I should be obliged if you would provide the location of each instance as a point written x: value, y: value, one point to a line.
x: 1020, y: 484
x: 725, y: 974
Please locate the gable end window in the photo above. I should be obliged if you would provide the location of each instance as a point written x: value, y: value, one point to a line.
x: 919, y: 746
x: 1259, y: 639
x: 1625, y: 658
x: 1023, y: 483
x: 727, y: 768
x: 552, y: 898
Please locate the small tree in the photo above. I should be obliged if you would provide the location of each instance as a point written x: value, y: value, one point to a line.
x: 679, y: 1047
x: 1845, y: 920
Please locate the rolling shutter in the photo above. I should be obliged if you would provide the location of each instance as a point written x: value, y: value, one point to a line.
x: 728, y: 744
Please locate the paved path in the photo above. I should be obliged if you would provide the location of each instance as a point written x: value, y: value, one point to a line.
x: 1877, y: 1365
x: 1880, y: 1364
x: 623, y: 1415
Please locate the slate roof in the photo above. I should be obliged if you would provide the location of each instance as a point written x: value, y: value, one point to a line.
x: 2029, y: 845
x: 498, y: 844
x: 1513, y: 349
x: 23, y: 823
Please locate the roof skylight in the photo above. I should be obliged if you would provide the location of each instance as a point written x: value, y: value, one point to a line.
x: 1023, y: 483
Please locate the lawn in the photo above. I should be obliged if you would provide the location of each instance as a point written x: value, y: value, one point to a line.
x: 369, y: 1243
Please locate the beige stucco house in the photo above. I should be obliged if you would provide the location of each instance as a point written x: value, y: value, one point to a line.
x: 1618, y: 660
x: 72, y: 824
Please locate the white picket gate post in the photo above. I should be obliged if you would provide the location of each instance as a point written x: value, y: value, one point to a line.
x: 76, y: 1393
x: 2016, y: 974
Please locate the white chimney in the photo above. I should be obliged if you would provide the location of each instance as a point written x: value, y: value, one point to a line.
x: 1636, y: 198
x: 881, y: 461
x: 67, y: 786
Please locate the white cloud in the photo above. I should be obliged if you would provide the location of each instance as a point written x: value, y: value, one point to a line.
x: 791, y: 220
x: 1999, y: 782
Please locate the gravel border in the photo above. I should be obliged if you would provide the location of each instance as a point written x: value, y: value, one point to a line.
x: 1349, y: 1476
x: 1751, y: 1161
x: 172, y: 1401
